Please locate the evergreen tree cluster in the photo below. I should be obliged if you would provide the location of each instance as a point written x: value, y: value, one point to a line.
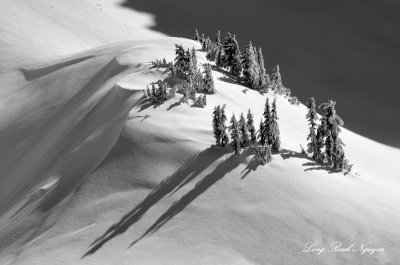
x: 248, y: 67
x: 186, y: 67
x: 269, y: 130
x: 200, y: 101
x: 324, y: 144
x: 243, y: 133
x: 158, y: 92
x: 219, y: 127
x: 158, y: 63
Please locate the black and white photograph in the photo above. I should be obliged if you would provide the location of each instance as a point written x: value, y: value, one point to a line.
x: 214, y: 132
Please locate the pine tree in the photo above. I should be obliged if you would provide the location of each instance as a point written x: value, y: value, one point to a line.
x: 249, y: 63
x: 220, y: 55
x: 222, y: 127
x: 312, y: 146
x: 235, y: 135
x: 261, y: 135
x: 216, y: 123
x: 257, y: 67
x: 206, y: 44
x: 204, y: 100
x: 333, y: 144
x: 208, y: 80
x: 263, y: 73
x: 276, y: 141
x: 236, y: 62
x: 251, y: 128
x: 267, y: 126
x: 263, y: 154
x: 244, y: 132
x: 196, y: 35
x: 218, y: 37
x: 276, y: 82
x: 194, y: 58
x: 182, y: 61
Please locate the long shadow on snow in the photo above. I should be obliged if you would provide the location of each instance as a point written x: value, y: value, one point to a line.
x: 210, y: 179
x: 184, y: 175
x: 314, y: 165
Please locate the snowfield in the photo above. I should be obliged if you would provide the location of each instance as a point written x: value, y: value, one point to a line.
x: 91, y: 175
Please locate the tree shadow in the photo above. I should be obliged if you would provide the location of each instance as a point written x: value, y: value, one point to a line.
x: 173, y: 105
x: 201, y: 186
x: 251, y: 166
x: 191, y: 169
x: 286, y: 154
x: 311, y: 164
x: 229, y: 80
x: 144, y: 117
x: 314, y: 165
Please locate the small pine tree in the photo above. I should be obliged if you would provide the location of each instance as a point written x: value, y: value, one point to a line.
x: 235, y: 135
x: 267, y: 126
x: 222, y: 127
x: 261, y: 135
x: 218, y: 37
x: 276, y: 83
x: 193, y: 58
x: 204, y: 100
x: 244, y: 132
x: 196, y: 35
x: 312, y: 146
x: 276, y: 141
x: 215, y: 123
x: 251, y: 128
x: 208, y: 80
x: 263, y: 154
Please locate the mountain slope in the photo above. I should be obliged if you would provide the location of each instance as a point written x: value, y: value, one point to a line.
x: 42, y: 30
x: 164, y: 187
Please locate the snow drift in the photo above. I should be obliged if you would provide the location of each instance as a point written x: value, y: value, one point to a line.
x: 90, y: 174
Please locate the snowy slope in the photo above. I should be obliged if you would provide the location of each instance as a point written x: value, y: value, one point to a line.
x: 164, y: 187
x: 42, y: 30
x: 86, y: 168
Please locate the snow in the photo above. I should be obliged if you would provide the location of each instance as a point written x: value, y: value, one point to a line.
x: 84, y: 164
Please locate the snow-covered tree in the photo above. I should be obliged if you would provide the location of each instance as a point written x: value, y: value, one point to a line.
x: 264, y: 79
x: 333, y: 144
x: 235, y: 135
x: 204, y: 100
x: 196, y: 35
x: 208, y: 80
x: 215, y: 123
x: 263, y: 154
x: 193, y: 57
x: 222, y: 127
x: 218, y: 37
x: 182, y: 60
x: 312, y: 147
x: 276, y: 83
x: 236, y: 62
x: 250, y: 70
x: 267, y: 133
x: 202, y: 39
x: 219, y: 127
x: 276, y: 141
x: 244, y: 132
x: 251, y: 128
x: 261, y: 135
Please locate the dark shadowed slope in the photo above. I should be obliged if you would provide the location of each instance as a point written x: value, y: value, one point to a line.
x: 347, y: 51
